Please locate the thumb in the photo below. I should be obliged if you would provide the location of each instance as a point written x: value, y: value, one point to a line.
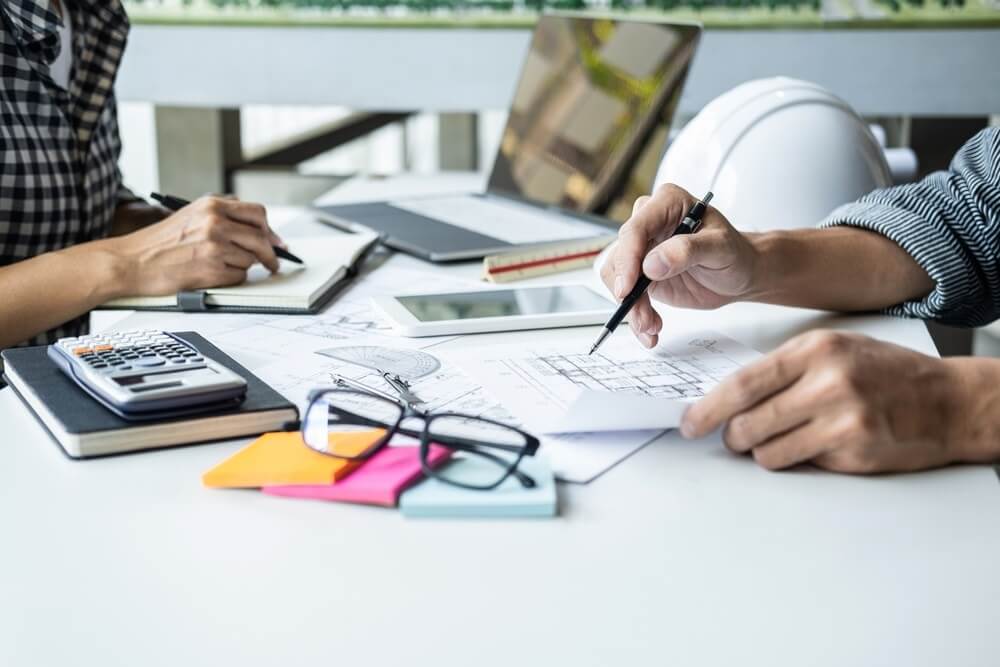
x: 681, y: 253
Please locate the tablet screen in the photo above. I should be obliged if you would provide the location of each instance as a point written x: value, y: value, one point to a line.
x: 504, y: 303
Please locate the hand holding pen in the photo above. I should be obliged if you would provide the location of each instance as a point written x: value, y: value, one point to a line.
x: 704, y: 270
x: 176, y: 203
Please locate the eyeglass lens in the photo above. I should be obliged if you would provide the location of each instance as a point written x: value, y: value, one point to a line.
x: 349, y: 424
x: 484, y: 453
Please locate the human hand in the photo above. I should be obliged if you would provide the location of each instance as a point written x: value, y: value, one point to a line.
x: 212, y: 242
x: 704, y: 270
x: 847, y: 403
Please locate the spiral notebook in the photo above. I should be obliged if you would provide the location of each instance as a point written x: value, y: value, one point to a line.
x: 329, y: 263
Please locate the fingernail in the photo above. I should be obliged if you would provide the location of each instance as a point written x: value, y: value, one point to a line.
x: 654, y: 266
x: 651, y: 330
x: 619, y: 287
x: 645, y: 339
x: 687, y: 428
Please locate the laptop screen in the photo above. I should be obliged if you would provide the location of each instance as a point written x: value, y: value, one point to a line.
x: 591, y: 113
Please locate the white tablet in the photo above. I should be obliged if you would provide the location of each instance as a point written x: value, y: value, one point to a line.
x: 508, y: 309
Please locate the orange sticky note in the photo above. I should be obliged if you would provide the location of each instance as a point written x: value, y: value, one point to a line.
x: 282, y: 458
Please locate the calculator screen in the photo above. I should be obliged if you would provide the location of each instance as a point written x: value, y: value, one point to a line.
x: 504, y: 303
x: 157, y: 377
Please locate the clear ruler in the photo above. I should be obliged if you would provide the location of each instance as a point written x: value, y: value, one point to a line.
x: 544, y: 260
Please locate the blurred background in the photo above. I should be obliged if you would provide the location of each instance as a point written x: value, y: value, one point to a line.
x: 280, y: 101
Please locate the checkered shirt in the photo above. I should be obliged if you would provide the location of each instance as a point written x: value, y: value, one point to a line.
x: 59, y: 178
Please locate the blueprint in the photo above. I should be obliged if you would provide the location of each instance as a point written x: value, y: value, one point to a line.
x: 623, y: 386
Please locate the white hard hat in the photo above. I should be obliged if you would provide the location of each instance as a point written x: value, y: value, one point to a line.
x: 776, y: 153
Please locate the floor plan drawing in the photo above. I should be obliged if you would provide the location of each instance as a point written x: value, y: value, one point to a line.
x: 681, y: 375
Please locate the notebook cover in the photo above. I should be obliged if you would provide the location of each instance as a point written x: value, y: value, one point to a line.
x: 435, y: 499
x: 80, y: 414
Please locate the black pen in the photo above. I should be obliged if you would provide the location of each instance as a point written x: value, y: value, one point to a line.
x: 176, y: 204
x: 689, y: 225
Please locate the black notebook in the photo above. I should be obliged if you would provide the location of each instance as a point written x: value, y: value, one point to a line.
x: 85, y: 428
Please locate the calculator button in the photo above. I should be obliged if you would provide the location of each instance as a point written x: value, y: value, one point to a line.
x: 81, y: 351
x: 197, y: 359
x: 150, y: 362
x: 99, y: 365
x: 103, y: 348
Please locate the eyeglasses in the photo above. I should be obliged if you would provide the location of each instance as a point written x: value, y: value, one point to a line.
x: 352, y: 421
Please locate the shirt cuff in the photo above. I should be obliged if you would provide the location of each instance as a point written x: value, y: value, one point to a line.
x: 934, y: 247
x: 126, y: 196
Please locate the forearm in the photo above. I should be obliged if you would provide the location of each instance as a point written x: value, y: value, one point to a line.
x: 43, y: 292
x: 839, y: 268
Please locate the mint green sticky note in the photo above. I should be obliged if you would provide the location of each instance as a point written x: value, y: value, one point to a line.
x: 434, y: 498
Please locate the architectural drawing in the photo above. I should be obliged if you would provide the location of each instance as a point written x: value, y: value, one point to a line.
x: 688, y: 374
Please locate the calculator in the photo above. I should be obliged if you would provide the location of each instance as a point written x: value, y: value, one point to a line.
x: 147, y: 374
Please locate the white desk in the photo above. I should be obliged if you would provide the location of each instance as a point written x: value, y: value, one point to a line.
x: 682, y: 555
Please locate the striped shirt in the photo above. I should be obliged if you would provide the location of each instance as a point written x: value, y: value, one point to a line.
x: 949, y: 223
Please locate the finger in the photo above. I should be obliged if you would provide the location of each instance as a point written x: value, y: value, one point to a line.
x: 252, y: 214
x: 639, y: 203
x: 632, y: 246
x: 795, y: 447
x: 679, y: 254
x: 250, y: 239
x: 783, y: 412
x: 744, y: 389
x: 228, y: 276
x: 608, y: 268
x: 245, y: 212
x: 647, y: 340
x: 236, y: 257
x: 644, y: 318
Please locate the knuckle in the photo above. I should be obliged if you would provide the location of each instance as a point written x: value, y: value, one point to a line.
x: 671, y: 190
x: 210, y: 204
x: 742, y: 387
x: 767, y: 458
x: 739, y: 433
x: 828, y: 343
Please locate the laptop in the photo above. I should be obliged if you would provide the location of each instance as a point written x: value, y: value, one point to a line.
x: 594, y: 93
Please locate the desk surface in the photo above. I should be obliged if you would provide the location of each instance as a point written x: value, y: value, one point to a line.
x: 683, y: 554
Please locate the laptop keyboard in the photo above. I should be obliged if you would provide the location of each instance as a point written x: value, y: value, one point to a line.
x: 506, y: 221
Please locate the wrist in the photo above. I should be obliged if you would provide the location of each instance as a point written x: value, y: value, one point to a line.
x: 765, y: 263
x: 974, y: 434
x: 116, y: 269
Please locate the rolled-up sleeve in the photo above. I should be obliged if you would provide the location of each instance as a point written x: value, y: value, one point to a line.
x: 950, y: 224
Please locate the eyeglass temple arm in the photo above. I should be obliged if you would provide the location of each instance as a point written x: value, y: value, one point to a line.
x: 478, y: 448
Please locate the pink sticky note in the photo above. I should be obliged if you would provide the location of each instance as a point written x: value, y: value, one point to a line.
x: 379, y: 481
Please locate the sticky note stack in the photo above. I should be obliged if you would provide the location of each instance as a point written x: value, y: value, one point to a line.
x: 280, y: 464
x: 434, y: 498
